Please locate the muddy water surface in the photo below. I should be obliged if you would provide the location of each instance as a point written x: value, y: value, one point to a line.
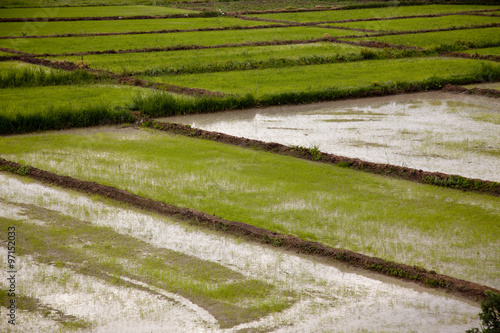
x: 435, y: 131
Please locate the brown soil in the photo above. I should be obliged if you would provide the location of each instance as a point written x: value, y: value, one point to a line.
x: 420, y: 275
x: 475, y: 91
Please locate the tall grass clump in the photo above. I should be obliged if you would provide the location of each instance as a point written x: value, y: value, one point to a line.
x: 161, y: 104
x: 62, y: 117
x: 31, y: 77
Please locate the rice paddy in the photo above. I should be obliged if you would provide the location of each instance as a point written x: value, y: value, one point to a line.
x: 85, y: 263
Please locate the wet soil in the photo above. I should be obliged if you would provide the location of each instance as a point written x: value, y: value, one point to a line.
x: 420, y: 275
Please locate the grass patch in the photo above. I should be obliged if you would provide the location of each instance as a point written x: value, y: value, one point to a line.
x: 416, y: 224
x: 94, y: 11
x: 80, y: 27
x: 127, y: 42
x: 443, y: 22
x: 352, y: 14
x: 269, y: 82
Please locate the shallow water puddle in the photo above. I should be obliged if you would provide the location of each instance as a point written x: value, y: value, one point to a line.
x: 435, y: 131
x: 323, y: 297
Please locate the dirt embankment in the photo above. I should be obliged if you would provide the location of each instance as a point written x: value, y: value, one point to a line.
x: 420, y: 275
x: 473, y: 91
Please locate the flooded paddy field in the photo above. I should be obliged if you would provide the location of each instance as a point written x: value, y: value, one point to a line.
x: 434, y: 131
x: 72, y: 295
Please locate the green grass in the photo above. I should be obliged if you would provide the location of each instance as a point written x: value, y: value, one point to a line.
x: 422, y: 23
x: 490, y: 36
x: 495, y: 51
x: 102, y: 252
x: 206, y: 38
x: 206, y: 60
x: 317, y: 77
x: 339, y: 15
x: 397, y: 220
x: 90, y: 11
x: 79, y: 27
x: 45, y: 108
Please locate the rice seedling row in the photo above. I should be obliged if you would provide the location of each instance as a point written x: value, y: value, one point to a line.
x: 253, y: 187
x: 434, y: 23
x: 93, y: 11
x: 445, y: 40
x: 66, y: 45
x: 223, y: 59
x: 19, y: 29
x: 386, y: 12
x: 306, y: 290
x: 269, y: 82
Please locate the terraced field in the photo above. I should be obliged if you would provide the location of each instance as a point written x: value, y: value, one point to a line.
x: 143, y: 225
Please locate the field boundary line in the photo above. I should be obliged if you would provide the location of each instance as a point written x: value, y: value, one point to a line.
x: 419, y: 275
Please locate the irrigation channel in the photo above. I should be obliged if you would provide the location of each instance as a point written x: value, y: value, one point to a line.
x: 321, y: 297
x: 431, y: 131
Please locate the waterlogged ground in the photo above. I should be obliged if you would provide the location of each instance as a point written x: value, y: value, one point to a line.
x: 435, y: 131
x: 61, y: 294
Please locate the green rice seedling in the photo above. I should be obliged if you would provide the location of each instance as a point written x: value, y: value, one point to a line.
x: 37, y: 76
x: 446, y: 40
x: 426, y: 23
x: 338, y: 15
x: 303, y: 79
x: 91, y: 11
x: 43, y: 108
x: 66, y: 45
x: 226, y: 294
x: 116, y: 26
x: 494, y: 51
x: 210, y: 60
x: 441, y: 229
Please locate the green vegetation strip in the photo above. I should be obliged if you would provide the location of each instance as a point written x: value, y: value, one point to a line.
x: 95, y: 11
x: 445, y: 40
x: 232, y: 58
x: 427, y: 23
x: 16, y: 29
x: 67, y: 45
x: 103, y: 253
x: 495, y: 51
x: 422, y: 225
x: 31, y: 76
x: 386, y: 12
x: 266, y: 84
x: 64, y: 107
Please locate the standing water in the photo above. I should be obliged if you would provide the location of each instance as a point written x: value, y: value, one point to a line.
x: 433, y: 131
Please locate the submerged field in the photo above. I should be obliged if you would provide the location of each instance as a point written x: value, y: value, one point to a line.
x: 89, y: 264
